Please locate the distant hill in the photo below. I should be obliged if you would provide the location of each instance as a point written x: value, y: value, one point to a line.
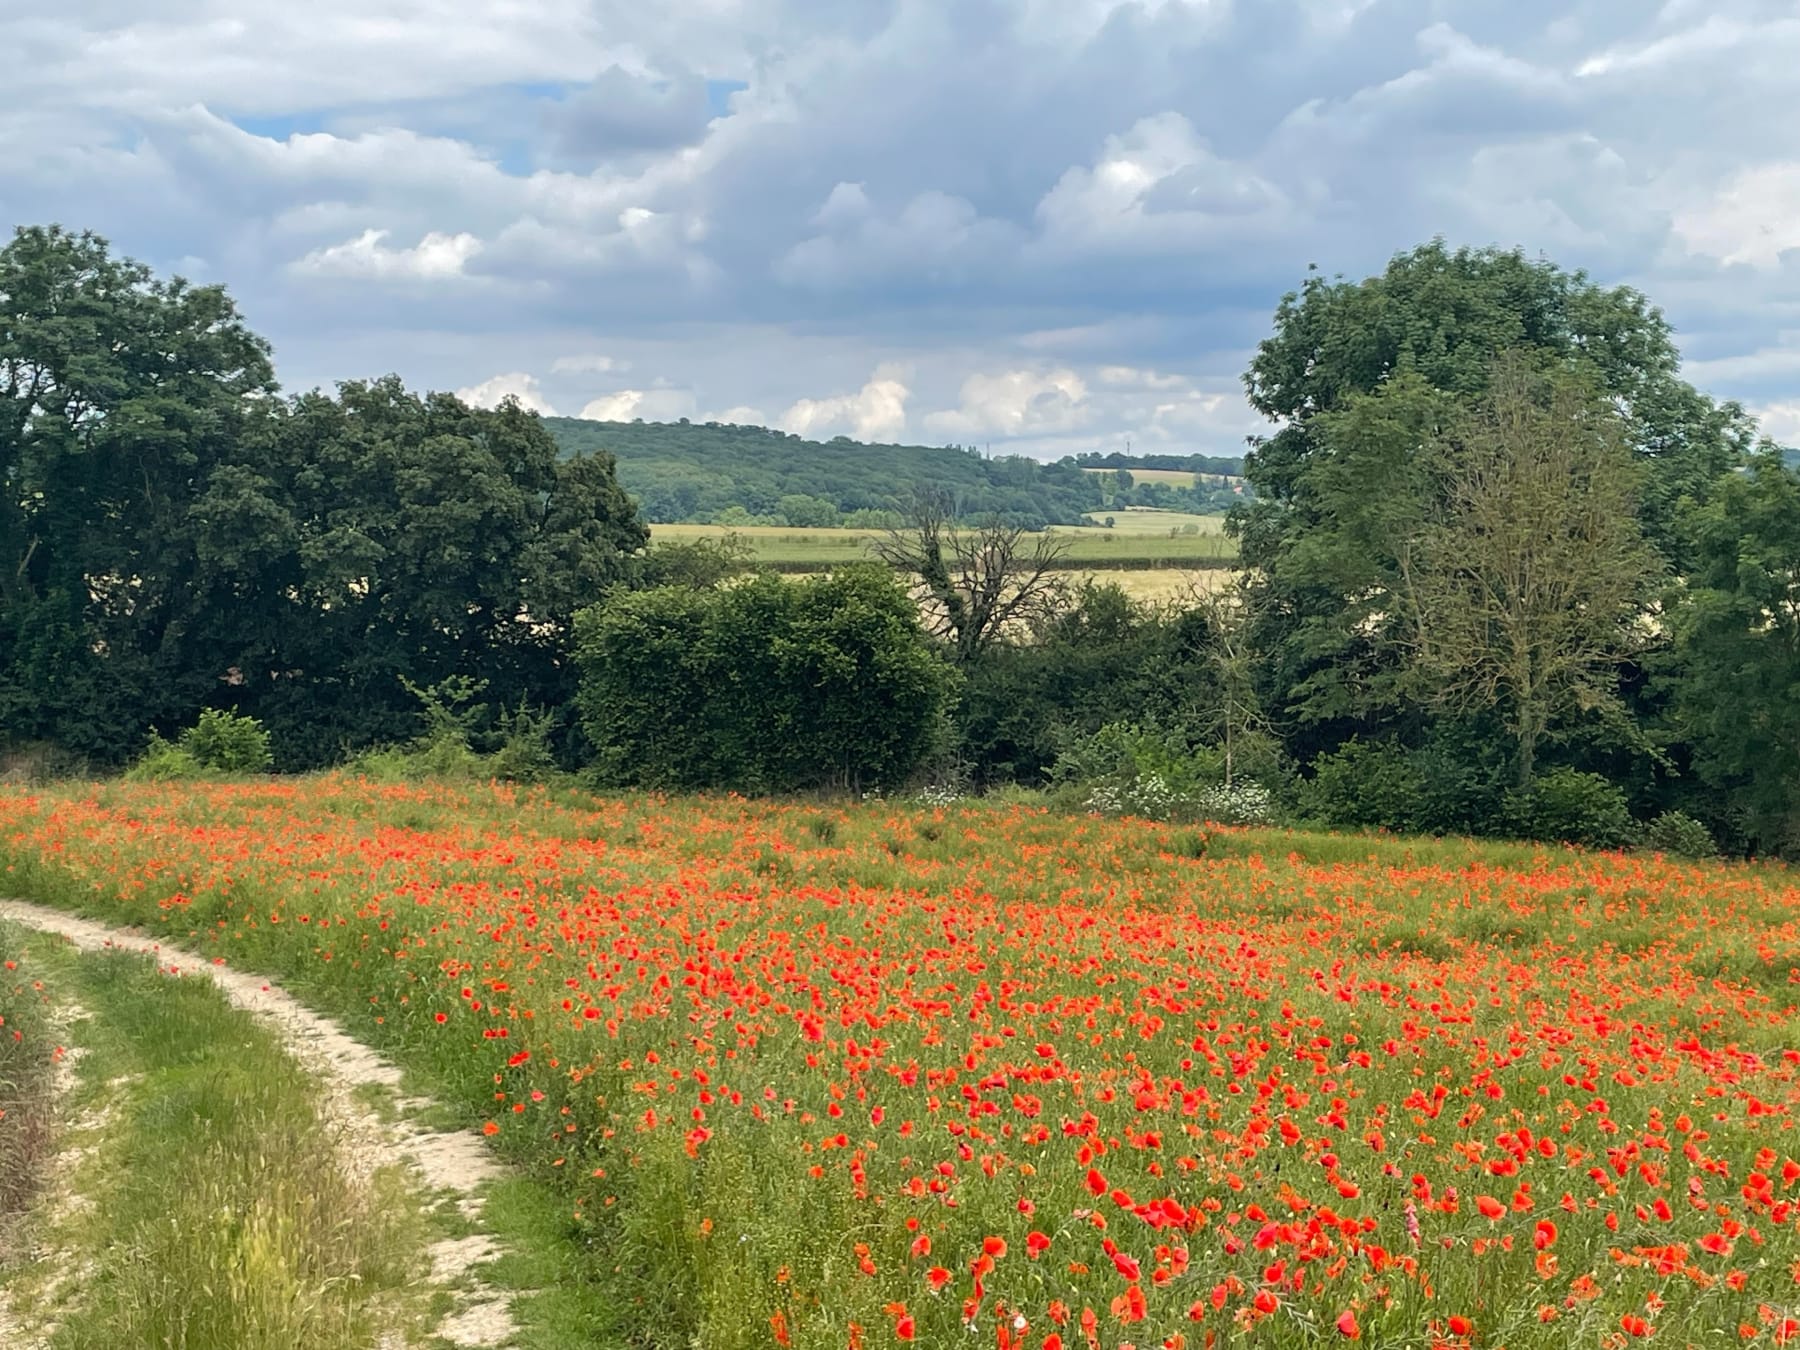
x: 713, y: 472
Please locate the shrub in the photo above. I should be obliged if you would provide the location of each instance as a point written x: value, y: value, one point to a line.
x: 524, y: 755
x: 164, y: 762
x: 226, y: 743
x: 1679, y: 834
x: 1443, y: 787
x: 1572, y: 807
x: 766, y: 686
x: 220, y: 742
x: 1364, y: 785
x: 1125, y: 769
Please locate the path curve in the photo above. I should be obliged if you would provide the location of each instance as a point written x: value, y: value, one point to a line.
x: 453, y: 1162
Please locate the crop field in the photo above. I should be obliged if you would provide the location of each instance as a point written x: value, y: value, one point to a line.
x: 1136, y: 520
x: 1176, y: 478
x: 1132, y: 544
x: 822, y: 1075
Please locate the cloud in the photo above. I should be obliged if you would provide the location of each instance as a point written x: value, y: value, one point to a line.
x: 1158, y: 185
x: 876, y: 412
x: 515, y: 385
x: 1015, y: 403
x: 588, y: 363
x: 652, y: 405
x: 1754, y: 219
x: 622, y: 112
x: 1780, y: 421
x: 368, y: 258
x: 992, y: 196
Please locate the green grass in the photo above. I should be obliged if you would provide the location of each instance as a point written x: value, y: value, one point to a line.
x: 28, y: 1044
x: 1134, y: 543
x: 211, y: 1208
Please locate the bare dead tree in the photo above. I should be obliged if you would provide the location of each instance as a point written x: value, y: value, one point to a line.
x: 979, y: 581
x: 1238, y: 718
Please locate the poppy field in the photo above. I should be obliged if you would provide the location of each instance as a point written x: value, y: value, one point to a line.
x: 849, y: 1076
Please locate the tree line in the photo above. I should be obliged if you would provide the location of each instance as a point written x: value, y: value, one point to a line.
x: 725, y: 474
x: 1504, y: 572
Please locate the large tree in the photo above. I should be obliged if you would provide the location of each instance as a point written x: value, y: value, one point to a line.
x: 1527, y: 591
x: 413, y: 535
x: 124, y: 400
x: 1738, y: 644
x: 1340, y: 484
x: 174, y: 535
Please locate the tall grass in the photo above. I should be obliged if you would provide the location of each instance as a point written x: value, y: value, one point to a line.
x: 27, y: 1049
x: 229, y: 1222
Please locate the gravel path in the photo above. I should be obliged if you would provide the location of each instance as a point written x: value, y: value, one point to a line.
x: 455, y: 1163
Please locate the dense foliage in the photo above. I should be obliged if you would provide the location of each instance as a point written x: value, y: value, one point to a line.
x: 1505, y: 573
x: 766, y: 686
x: 175, y: 536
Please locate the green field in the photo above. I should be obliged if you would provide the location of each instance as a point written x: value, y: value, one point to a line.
x: 1142, y: 520
x: 1140, y: 540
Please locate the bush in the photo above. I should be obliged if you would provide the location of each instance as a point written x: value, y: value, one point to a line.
x: 220, y: 742
x: 455, y: 723
x: 226, y: 743
x: 770, y: 685
x: 164, y: 762
x: 1680, y: 835
x: 1443, y: 787
x: 1568, y: 806
x: 1366, y: 785
x: 1125, y: 769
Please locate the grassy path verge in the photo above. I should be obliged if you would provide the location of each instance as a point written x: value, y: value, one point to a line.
x: 231, y: 1170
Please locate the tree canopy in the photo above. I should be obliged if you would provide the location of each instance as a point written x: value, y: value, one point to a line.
x: 1360, y: 378
x: 175, y: 535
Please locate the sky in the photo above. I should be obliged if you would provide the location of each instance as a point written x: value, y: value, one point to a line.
x: 1043, y: 226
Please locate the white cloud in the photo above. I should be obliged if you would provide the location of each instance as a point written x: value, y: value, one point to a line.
x: 515, y: 384
x: 1158, y: 183
x: 741, y: 415
x: 1128, y: 377
x: 991, y: 192
x: 876, y: 412
x: 619, y: 407
x: 1780, y: 421
x: 588, y: 363
x: 368, y: 258
x: 653, y: 405
x: 1717, y: 34
x: 1754, y: 219
x: 1015, y: 403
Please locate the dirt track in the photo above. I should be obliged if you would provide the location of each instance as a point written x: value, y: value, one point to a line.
x: 455, y: 1163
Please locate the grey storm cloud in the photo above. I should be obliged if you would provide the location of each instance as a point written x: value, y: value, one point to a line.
x: 622, y: 112
x: 946, y: 218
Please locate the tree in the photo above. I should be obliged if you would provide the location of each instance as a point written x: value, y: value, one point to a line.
x: 126, y: 402
x: 980, y: 581
x: 1359, y: 378
x: 423, y: 540
x: 1529, y: 590
x: 1738, y: 647
x: 1096, y: 660
x: 1236, y: 718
